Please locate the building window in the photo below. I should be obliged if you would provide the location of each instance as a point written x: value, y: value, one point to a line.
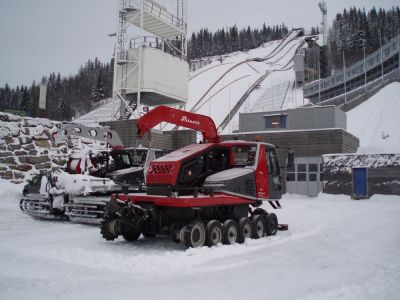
x: 301, y: 176
x: 313, y: 168
x: 301, y: 172
x: 301, y: 168
x: 278, y: 121
x: 312, y: 177
x: 290, y: 177
x: 290, y: 173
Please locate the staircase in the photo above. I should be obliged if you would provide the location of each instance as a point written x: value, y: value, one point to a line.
x: 128, y: 111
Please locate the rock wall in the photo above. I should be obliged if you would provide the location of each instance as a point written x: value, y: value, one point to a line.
x: 27, y: 147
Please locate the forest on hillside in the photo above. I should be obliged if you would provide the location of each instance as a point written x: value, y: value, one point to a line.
x: 68, y: 97
x: 226, y: 40
x: 355, y: 28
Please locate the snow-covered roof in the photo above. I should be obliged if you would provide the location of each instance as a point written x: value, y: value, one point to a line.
x: 348, y: 161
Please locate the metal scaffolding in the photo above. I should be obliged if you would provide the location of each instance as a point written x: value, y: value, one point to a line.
x: 144, y: 24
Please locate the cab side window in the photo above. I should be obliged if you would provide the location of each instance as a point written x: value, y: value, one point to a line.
x: 273, y: 162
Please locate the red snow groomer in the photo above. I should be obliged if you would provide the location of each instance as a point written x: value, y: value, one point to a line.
x: 202, y: 194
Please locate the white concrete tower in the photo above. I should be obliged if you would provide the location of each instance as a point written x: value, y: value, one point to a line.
x: 150, y: 65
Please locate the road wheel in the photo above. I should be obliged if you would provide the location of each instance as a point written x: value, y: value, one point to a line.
x: 194, y: 235
x: 129, y: 234
x: 230, y: 232
x: 271, y: 224
x: 259, y: 211
x: 245, y: 230
x: 109, y: 229
x: 213, y: 233
x: 258, y: 226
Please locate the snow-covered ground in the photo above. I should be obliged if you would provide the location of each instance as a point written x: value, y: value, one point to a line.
x: 336, y: 248
x: 376, y: 122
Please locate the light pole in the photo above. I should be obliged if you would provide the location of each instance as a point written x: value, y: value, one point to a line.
x: 365, y: 68
x: 319, y: 74
x: 344, y: 78
x: 380, y: 45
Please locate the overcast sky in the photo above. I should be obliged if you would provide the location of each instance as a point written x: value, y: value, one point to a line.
x: 38, y: 37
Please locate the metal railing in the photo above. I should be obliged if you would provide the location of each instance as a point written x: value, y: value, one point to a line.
x: 156, y: 10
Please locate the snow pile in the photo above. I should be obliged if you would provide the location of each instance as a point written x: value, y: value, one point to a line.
x: 78, y: 184
x: 376, y: 122
x: 345, y: 162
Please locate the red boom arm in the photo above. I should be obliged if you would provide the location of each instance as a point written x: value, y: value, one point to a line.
x: 178, y: 117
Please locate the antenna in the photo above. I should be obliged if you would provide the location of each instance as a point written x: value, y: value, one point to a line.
x: 324, y: 9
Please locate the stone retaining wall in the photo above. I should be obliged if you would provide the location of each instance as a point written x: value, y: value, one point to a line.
x: 27, y: 147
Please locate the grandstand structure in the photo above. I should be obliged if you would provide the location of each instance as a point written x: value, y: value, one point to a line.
x: 359, y: 80
x: 272, y: 98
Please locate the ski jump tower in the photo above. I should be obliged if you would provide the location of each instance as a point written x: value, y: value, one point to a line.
x: 150, y: 55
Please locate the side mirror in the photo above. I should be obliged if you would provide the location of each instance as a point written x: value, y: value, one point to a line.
x: 290, y: 162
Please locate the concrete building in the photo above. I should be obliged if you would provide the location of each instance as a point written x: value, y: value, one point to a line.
x: 310, y: 131
x: 316, y: 117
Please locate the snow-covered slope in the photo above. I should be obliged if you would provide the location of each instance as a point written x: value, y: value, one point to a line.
x: 332, y: 251
x: 216, y: 88
x: 376, y: 122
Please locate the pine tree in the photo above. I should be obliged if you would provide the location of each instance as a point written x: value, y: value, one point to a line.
x: 25, y: 104
x: 98, y: 91
x: 353, y: 29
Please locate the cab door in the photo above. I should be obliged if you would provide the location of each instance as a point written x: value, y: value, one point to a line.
x: 274, y: 174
